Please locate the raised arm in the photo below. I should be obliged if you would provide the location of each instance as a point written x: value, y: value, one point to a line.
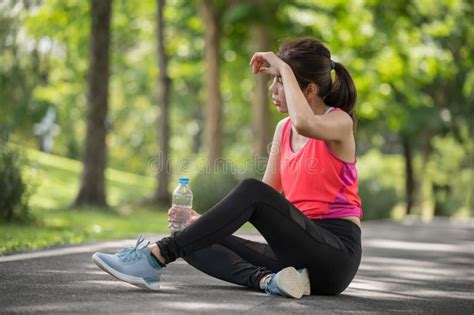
x: 272, y: 172
x: 336, y: 126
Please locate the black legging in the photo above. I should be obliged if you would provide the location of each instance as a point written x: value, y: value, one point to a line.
x: 330, y: 248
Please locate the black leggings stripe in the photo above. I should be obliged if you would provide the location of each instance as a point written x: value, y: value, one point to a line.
x: 330, y: 249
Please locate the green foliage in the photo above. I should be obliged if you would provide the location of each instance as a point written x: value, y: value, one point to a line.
x: 209, y: 188
x: 14, y: 189
x: 378, y: 199
x: 54, y: 223
x: 380, y: 185
x: 448, y: 172
x: 412, y: 63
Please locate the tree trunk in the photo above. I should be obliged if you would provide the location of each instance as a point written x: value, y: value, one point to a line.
x: 470, y: 201
x: 197, y: 118
x: 92, y: 186
x: 409, y: 174
x: 261, y: 115
x: 213, y: 109
x: 440, y: 194
x: 422, y: 198
x: 164, y: 84
x: 197, y: 137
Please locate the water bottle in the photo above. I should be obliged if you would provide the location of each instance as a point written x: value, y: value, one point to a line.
x: 182, y: 204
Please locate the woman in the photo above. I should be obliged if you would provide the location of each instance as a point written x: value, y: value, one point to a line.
x: 313, y: 230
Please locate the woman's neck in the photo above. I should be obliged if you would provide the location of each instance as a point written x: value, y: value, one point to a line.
x: 318, y: 106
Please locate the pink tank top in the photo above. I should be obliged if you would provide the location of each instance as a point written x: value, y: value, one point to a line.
x: 316, y: 182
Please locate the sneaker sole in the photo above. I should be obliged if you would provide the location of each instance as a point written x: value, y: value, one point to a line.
x: 290, y: 282
x: 306, y: 284
x: 139, y: 282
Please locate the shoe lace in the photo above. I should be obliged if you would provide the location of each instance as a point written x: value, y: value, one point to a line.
x: 132, y: 253
x: 270, y: 288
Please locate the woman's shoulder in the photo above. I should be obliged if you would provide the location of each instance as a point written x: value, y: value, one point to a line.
x: 280, y: 126
x: 337, y: 111
x: 283, y: 122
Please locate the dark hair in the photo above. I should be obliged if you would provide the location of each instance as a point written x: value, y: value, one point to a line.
x: 311, y: 61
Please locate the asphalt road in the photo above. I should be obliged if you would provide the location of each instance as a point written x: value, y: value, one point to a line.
x: 410, y: 267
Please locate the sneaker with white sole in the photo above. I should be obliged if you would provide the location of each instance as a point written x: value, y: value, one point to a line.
x: 287, y: 282
x: 305, y: 279
x: 133, y: 265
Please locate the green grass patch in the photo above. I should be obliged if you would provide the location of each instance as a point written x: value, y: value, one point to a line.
x: 58, y: 227
x: 56, y: 181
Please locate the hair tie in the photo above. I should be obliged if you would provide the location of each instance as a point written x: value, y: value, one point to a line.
x: 333, y: 64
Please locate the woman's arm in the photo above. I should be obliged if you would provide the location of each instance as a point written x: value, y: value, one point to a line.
x: 335, y: 126
x: 272, y: 171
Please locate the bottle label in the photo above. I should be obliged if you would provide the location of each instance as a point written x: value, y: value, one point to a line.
x: 179, y: 215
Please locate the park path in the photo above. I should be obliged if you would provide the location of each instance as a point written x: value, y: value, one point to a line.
x: 409, y: 267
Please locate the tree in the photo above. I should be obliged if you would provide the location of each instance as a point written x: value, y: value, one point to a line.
x: 213, y: 141
x: 20, y: 72
x: 410, y: 184
x: 92, y: 185
x: 253, y: 16
x: 164, y: 85
x: 425, y: 66
x: 260, y: 109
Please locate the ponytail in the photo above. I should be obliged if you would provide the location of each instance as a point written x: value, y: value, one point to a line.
x: 343, y: 93
x: 311, y: 61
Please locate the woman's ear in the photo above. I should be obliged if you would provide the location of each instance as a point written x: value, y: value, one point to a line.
x: 311, y: 90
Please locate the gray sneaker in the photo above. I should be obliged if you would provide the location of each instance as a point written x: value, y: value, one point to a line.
x: 287, y: 282
x: 132, y: 264
x: 304, y: 274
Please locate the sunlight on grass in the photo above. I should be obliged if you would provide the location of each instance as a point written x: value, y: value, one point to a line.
x: 56, y: 181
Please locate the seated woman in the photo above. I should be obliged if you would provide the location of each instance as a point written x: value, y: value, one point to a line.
x: 313, y: 230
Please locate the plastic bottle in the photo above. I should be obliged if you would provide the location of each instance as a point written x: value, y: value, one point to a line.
x: 182, y: 204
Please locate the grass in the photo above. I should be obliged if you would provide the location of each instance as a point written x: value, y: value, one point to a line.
x: 60, y: 227
x: 56, y: 182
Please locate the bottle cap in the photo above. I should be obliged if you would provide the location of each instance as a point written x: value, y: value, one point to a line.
x: 184, y: 180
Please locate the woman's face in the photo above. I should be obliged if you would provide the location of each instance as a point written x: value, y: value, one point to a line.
x: 278, y: 94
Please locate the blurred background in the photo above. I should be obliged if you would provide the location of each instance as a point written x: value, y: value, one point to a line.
x: 104, y: 104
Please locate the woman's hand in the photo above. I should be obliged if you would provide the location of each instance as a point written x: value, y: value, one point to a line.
x: 194, y: 217
x: 259, y: 59
x: 175, y: 214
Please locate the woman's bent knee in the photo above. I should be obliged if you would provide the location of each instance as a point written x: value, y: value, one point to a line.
x: 252, y: 184
x: 249, y: 182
